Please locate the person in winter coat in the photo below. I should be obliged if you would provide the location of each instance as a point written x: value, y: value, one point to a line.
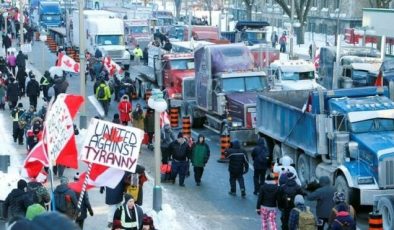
x: 167, y: 137
x: 21, y: 60
x: 138, y: 117
x: 200, y: 157
x: 325, y: 203
x: 259, y: 156
x: 267, y: 203
x: 103, y: 95
x: 33, y: 91
x: 38, y: 193
x: 137, y: 179
x: 17, y: 130
x: 113, y: 198
x: 12, y: 93
x: 21, y: 77
x: 340, y: 199
x: 180, y: 151
x: 238, y: 165
x: 46, y: 81
x: 125, y: 108
x: 287, y: 193
x: 284, y: 166
x: 60, y: 85
x: 34, y: 135
x: 3, y: 89
x: 116, y: 119
x: 85, y: 206
x: 65, y: 199
x: 129, y: 214
x: 149, y: 125
x: 11, y: 61
x: 7, y: 43
x: 17, y: 201
x: 343, y: 219
x: 294, y: 219
x: 26, y: 118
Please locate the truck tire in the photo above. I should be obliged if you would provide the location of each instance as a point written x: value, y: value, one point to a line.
x: 303, y: 168
x: 386, y: 208
x: 341, y: 185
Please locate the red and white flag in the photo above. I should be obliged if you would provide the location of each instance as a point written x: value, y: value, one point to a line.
x: 111, y: 66
x: 36, y: 160
x: 100, y: 176
x: 59, y: 136
x: 67, y: 63
x: 379, y: 79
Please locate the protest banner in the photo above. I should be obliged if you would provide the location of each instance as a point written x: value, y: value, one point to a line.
x: 112, y: 145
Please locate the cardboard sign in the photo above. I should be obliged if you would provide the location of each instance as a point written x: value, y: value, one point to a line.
x: 59, y: 127
x: 112, y: 145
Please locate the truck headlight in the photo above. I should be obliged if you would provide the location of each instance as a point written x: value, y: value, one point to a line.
x: 236, y: 124
x: 176, y: 96
x: 365, y: 180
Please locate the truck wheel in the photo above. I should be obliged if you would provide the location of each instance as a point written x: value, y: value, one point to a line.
x: 276, y: 153
x: 303, y: 168
x: 385, y: 206
x: 342, y: 186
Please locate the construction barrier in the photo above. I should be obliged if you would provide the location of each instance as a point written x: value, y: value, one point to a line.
x: 375, y: 221
x: 174, y: 117
x: 224, y: 144
x: 186, y: 127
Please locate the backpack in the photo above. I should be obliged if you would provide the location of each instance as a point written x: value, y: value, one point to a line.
x: 306, y: 219
x: 345, y: 225
x: 289, y: 195
x: 60, y: 202
x: 101, y: 93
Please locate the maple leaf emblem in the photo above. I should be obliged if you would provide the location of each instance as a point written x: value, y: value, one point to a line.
x: 76, y: 67
x: 67, y: 63
x: 113, y: 136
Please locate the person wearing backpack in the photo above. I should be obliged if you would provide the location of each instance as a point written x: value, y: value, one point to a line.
x: 259, y: 156
x: 287, y: 193
x: 301, y: 217
x: 343, y: 219
x: 267, y: 203
x: 340, y: 199
x: 38, y: 193
x: 65, y: 199
x: 324, y: 202
x: 103, y: 95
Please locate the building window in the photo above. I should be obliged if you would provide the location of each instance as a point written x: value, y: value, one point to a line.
x: 324, y: 4
x: 337, y: 4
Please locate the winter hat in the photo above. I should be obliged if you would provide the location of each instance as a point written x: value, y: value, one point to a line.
x: 180, y: 135
x: 290, y: 176
x: 76, y: 176
x: 116, y: 116
x: 20, y: 105
x: 270, y: 177
x: 127, y: 197
x: 22, y: 184
x: 34, y: 210
x: 299, y: 199
x: 339, y: 197
x: 63, y: 180
x: 47, y: 74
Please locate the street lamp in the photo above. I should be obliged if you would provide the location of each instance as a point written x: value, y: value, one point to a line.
x: 82, y: 65
x: 5, y: 15
x: 157, y: 102
x: 43, y: 38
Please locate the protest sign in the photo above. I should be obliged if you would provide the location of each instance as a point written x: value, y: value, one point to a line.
x: 112, y: 145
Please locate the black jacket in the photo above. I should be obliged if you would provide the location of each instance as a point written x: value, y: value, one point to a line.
x: 13, y: 91
x: 7, y: 41
x: 21, y: 60
x: 140, y: 213
x: 85, y: 207
x: 260, y: 155
x: 33, y: 88
x: 16, y: 203
x: 180, y: 152
x: 287, y: 194
x: 268, y: 195
x: 61, y: 85
x: 238, y: 157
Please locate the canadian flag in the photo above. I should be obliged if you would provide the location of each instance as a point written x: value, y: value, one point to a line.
x: 67, y: 63
x: 99, y: 176
x: 111, y: 66
x: 379, y: 79
x: 35, y: 160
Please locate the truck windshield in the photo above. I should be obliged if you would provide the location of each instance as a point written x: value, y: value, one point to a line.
x: 109, y: 40
x: 359, y: 74
x: 182, y: 64
x: 294, y: 76
x: 164, y: 21
x: 243, y: 84
x: 255, y: 35
x: 373, y: 125
x: 138, y: 29
x: 50, y: 17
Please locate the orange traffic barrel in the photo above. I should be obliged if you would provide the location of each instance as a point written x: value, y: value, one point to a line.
x: 148, y: 93
x: 174, y: 117
x: 53, y: 46
x: 224, y: 144
x: 186, y: 127
x: 375, y: 221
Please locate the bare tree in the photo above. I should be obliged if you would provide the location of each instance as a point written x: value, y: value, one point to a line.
x: 249, y: 6
x: 178, y: 4
x: 380, y: 3
x: 301, y: 10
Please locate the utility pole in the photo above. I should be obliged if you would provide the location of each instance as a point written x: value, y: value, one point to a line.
x: 291, y: 55
x: 22, y: 19
x: 82, y: 65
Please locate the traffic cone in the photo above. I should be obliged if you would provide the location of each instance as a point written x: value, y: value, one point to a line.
x: 224, y: 144
x: 174, y: 117
x: 186, y: 126
x: 375, y: 221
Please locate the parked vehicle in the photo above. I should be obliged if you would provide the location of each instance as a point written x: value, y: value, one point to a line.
x: 260, y: 53
x: 103, y: 32
x: 49, y: 15
x: 165, y: 20
x: 198, y: 33
x: 250, y: 32
x: 346, y: 134
x: 137, y: 32
x: 226, y: 90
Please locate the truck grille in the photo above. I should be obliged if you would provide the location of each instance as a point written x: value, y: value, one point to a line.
x: 386, y: 174
x: 115, y: 53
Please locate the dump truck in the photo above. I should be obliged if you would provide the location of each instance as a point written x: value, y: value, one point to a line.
x: 249, y: 32
x: 345, y: 134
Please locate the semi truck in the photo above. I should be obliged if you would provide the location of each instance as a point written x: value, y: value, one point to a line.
x: 346, y: 134
x: 198, y: 33
x: 226, y: 89
x: 49, y: 15
x: 249, y: 32
x: 103, y: 32
x: 137, y: 32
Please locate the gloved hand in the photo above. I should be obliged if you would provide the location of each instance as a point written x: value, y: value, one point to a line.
x: 101, y: 190
x: 258, y: 212
x: 91, y: 212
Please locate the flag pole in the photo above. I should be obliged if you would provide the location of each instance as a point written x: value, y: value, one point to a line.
x: 45, y: 140
x: 85, y: 183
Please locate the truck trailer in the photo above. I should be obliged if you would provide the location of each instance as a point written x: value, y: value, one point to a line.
x: 346, y: 134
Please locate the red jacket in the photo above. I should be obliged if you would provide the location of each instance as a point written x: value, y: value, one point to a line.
x: 124, y: 108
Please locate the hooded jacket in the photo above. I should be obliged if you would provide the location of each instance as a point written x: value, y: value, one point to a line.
x: 125, y: 108
x: 268, y: 195
x: 200, y: 153
x: 180, y: 152
x: 323, y: 196
x: 13, y: 91
x: 289, y: 191
x: 63, y: 190
x: 238, y: 159
x: 16, y: 203
x: 61, y: 85
x: 33, y: 88
x: 259, y: 155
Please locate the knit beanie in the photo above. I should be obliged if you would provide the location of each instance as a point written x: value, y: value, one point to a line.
x: 34, y: 210
x: 299, y: 199
x: 22, y: 184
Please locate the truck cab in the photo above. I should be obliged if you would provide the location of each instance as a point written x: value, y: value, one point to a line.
x: 137, y: 32
x: 293, y: 75
x: 50, y: 14
x: 199, y: 33
x: 357, y: 71
x: 249, y: 32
